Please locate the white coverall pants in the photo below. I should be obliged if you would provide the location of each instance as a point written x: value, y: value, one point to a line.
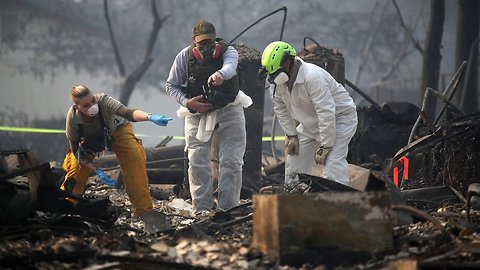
x: 336, y: 165
x: 231, y: 132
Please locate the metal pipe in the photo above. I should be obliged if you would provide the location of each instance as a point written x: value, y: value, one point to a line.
x: 365, y: 96
x: 452, y: 85
x: 422, y: 111
x: 262, y: 18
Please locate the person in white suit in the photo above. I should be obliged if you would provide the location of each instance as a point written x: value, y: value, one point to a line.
x: 317, y: 114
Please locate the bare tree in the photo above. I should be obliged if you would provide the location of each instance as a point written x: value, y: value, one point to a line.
x: 408, y: 32
x: 467, y: 50
x: 375, y: 23
x: 129, y: 81
x: 432, y: 57
x: 405, y: 50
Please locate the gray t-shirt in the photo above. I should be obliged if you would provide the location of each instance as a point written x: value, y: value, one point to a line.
x: 114, y: 113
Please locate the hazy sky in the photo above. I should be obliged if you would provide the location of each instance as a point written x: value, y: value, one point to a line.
x: 49, y: 97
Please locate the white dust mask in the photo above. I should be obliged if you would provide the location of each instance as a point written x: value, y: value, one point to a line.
x: 281, y: 78
x: 93, y: 110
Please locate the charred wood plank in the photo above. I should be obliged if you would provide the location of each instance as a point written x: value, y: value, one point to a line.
x: 152, y: 153
x: 403, y: 265
x: 165, y: 175
x: 285, y: 226
x: 434, y: 196
x: 473, y: 190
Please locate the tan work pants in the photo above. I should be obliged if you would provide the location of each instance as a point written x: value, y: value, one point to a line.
x: 131, y: 157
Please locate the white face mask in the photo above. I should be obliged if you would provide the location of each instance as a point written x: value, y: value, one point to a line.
x: 93, y: 110
x: 281, y: 78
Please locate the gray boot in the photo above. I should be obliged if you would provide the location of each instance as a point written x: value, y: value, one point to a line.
x: 155, y: 222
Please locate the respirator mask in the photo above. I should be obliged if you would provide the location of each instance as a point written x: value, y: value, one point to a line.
x: 278, y: 78
x: 93, y: 110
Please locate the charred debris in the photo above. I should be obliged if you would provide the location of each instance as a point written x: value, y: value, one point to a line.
x: 412, y: 202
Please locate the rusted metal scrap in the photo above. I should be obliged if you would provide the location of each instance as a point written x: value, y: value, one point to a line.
x: 449, y: 156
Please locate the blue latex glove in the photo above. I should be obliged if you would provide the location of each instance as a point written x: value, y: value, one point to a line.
x: 159, y: 119
x: 104, y: 178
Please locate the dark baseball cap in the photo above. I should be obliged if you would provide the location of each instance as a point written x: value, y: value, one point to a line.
x: 202, y: 30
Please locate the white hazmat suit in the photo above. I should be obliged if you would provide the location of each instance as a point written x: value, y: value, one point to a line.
x: 326, y: 116
x: 228, y: 122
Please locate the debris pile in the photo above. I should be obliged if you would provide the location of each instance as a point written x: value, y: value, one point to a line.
x: 433, y: 212
x: 329, y: 59
x: 449, y: 156
x: 439, y: 235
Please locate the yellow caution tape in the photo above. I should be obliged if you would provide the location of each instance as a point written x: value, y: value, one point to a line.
x: 159, y: 136
x: 276, y: 138
x: 35, y: 130
x: 58, y: 131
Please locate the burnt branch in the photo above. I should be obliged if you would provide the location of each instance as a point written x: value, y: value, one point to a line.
x: 375, y: 23
x: 156, y: 26
x: 118, y: 58
x: 129, y: 81
x: 415, y: 42
x: 403, y: 53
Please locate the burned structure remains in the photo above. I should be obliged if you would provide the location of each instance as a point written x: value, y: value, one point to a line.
x: 416, y: 206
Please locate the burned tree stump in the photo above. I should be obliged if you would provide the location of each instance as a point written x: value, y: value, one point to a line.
x: 254, y: 87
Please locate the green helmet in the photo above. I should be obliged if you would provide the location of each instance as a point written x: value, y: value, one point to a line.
x: 275, y: 54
